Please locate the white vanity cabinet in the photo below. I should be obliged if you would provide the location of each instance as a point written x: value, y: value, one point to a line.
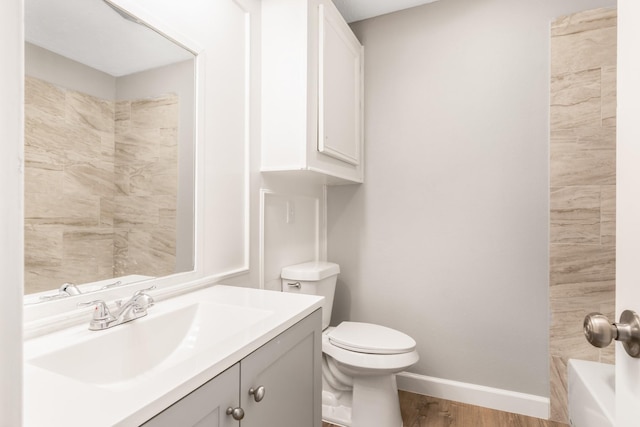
x: 277, y: 385
x: 312, y: 83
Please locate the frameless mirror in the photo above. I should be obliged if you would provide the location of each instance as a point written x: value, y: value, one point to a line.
x: 109, y: 149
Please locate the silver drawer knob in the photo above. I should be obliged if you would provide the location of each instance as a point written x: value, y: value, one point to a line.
x: 236, y: 413
x: 600, y: 332
x: 257, y: 393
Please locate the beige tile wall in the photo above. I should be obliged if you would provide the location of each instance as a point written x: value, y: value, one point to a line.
x: 582, y: 193
x: 144, y: 216
x: 100, y: 188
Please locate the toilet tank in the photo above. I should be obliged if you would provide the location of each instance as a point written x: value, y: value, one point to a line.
x: 313, y: 278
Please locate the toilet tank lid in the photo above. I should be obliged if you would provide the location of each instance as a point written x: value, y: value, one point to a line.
x: 310, y: 271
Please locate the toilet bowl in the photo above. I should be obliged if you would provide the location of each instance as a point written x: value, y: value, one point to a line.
x: 359, y: 360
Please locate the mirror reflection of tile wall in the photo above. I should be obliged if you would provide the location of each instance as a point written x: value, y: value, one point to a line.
x: 100, y: 186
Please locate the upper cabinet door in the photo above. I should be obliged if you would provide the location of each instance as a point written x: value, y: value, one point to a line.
x: 312, y: 74
x: 339, y: 88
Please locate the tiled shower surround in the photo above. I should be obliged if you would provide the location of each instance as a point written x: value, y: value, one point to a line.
x: 583, y: 188
x: 100, y: 186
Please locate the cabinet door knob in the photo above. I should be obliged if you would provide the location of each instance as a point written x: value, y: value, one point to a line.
x: 600, y: 332
x: 236, y: 413
x: 257, y: 393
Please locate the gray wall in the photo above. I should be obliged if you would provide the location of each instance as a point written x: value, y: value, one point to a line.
x: 447, y: 240
x: 61, y: 71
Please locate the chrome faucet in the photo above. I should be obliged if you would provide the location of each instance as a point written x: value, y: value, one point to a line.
x: 133, y: 309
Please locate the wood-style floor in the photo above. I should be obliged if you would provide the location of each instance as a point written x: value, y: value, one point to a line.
x: 425, y: 411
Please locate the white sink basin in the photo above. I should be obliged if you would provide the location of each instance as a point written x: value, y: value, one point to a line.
x: 114, y: 357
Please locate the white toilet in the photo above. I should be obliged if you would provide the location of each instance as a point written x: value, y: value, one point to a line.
x: 359, y: 360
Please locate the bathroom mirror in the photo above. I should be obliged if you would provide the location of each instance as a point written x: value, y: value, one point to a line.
x: 109, y: 149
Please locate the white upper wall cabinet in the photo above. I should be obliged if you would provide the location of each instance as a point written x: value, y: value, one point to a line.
x: 311, y: 91
x: 339, y: 83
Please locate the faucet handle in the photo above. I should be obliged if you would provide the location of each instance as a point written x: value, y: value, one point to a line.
x: 101, y: 311
x: 142, y: 291
x: 142, y: 300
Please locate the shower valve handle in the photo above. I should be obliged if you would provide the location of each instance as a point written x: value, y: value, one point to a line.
x: 600, y: 332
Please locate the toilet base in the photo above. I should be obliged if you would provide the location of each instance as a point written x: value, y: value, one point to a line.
x: 373, y: 402
x: 334, y: 411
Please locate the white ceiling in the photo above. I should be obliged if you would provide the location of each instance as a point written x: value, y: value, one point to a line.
x: 90, y: 32
x: 357, y: 10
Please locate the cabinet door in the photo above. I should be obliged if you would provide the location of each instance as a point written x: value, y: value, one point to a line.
x: 288, y: 368
x: 339, y: 88
x: 204, y: 407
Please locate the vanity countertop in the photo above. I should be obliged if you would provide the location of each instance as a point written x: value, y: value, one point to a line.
x: 66, y: 382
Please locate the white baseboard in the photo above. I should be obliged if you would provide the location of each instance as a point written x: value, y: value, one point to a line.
x: 487, y: 397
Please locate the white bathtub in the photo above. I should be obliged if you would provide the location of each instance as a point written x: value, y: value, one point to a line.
x: 591, y: 394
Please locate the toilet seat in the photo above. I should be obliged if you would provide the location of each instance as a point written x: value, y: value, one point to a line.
x: 358, y: 363
x: 369, y: 338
